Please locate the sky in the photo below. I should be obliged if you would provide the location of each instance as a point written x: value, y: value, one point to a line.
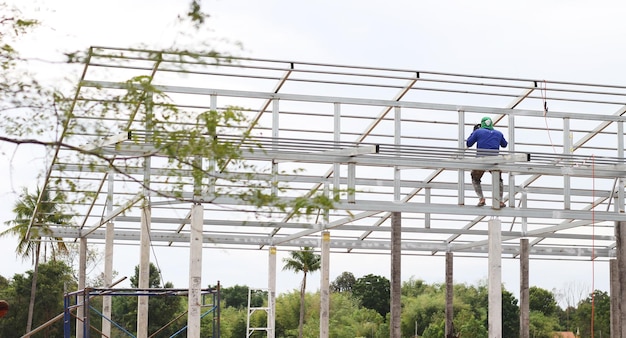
x: 571, y: 40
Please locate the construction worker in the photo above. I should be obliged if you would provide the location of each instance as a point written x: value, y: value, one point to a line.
x: 488, y: 142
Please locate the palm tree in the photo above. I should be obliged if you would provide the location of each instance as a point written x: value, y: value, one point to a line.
x: 304, y: 261
x: 30, y: 242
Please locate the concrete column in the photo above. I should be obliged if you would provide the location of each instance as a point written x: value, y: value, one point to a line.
x: 396, y: 275
x: 495, y: 278
x: 396, y: 241
x: 108, y: 257
x: 108, y: 277
x: 82, y: 277
x: 271, y: 286
x: 524, y: 290
x: 194, y: 307
x: 449, y: 296
x: 496, y: 176
x: 620, y: 240
x: 144, y: 271
x: 325, y: 286
x: 615, y: 292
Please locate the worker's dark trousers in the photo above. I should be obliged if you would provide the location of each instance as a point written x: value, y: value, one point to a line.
x: 476, y: 176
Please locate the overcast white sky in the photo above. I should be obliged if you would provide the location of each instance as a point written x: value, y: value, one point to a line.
x: 568, y: 40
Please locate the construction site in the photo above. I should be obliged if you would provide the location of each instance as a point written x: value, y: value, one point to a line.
x: 354, y: 159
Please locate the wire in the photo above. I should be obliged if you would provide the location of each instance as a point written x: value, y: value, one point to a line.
x: 544, y: 98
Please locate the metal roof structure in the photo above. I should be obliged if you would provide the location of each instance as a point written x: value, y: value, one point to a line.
x: 391, y: 140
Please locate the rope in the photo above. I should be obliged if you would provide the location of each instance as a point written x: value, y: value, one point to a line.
x: 543, y: 90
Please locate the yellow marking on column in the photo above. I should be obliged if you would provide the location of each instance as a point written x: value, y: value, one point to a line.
x: 326, y: 236
x: 272, y: 250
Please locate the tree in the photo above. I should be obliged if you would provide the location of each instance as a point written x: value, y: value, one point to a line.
x: 542, y: 300
x: 598, y: 304
x: 415, y: 287
x: 232, y: 323
x: 510, y: 315
x: 304, y: 261
x: 374, y: 292
x: 237, y: 297
x: 343, y: 282
x: 437, y: 327
x: 542, y: 326
x: 569, y: 297
x: 54, y: 277
x: 45, y: 116
x: 42, y: 209
x: 422, y: 310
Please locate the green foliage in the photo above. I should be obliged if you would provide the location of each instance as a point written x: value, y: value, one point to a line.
x: 233, y: 323
x: 343, y: 282
x: 436, y: 328
x: 542, y: 326
x: 347, y: 317
x: 237, y: 297
x: 287, y: 313
x: 27, y: 106
x: 203, y: 150
x: 195, y: 14
x: 542, y: 300
x: 305, y: 261
x: 510, y: 315
x: 414, y: 287
x: 54, y: 277
x: 33, y: 215
x: 467, y: 324
x: 477, y: 297
x: 48, y: 212
x: 600, y: 301
x: 423, y: 309
x: 374, y: 293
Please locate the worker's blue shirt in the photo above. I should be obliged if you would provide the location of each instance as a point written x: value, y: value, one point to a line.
x: 487, y: 139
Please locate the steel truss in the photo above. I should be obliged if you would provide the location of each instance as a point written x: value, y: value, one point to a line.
x: 390, y: 140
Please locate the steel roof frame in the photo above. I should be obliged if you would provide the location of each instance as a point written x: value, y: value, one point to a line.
x: 395, y: 136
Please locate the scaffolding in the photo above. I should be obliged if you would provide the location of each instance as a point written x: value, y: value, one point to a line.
x: 85, y: 297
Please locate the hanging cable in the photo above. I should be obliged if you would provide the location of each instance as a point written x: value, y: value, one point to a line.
x: 544, y: 99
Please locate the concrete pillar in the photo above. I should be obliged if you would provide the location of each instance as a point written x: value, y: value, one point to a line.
x: 271, y: 286
x: 496, y: 176
x: 615, y: 292
x: 495, y: 278
x: 194, y: 307
x: 449, y: 296
x: 82, y: 277
x: 620, y: 240
x: 144, y: 271
x: 325, y: 286
x: 396, y: 275
x: 108, y: 277
x: 108, y: 258
x: 524, y: 290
